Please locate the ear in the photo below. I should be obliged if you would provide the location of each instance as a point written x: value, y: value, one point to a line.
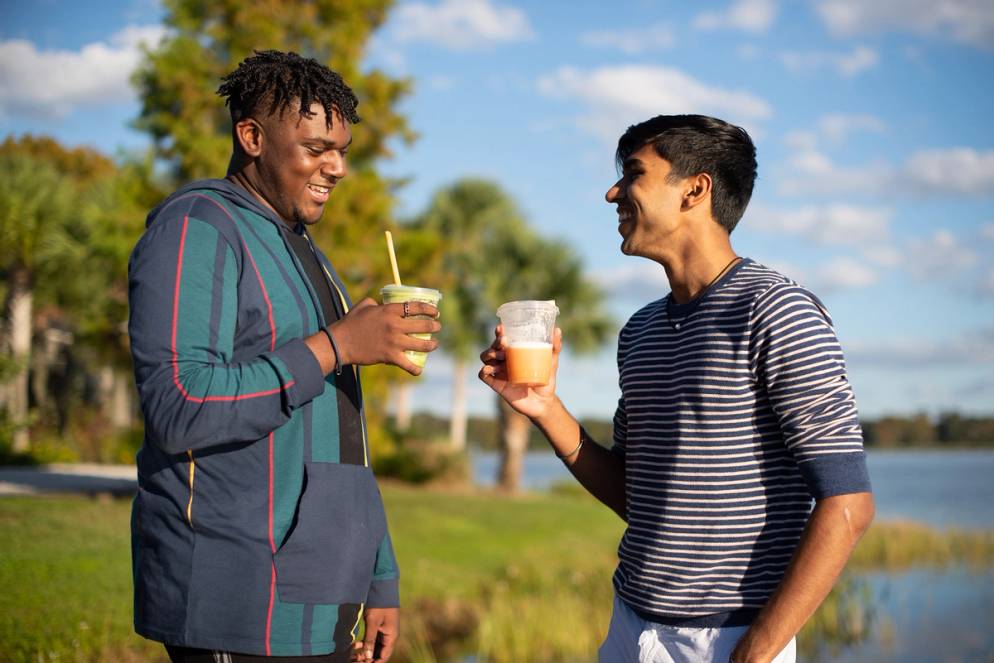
x: 697, y: 190
x: 248, y: 134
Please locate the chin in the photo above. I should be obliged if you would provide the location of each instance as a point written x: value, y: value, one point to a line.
x: 307, y: 219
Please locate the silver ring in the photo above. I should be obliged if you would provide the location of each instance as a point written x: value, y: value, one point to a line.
x: 407, y: 310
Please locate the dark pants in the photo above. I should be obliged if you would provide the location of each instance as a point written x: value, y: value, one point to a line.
x: 188, y: 655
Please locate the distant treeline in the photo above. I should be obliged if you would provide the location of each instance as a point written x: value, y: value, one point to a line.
x: 947, y: 430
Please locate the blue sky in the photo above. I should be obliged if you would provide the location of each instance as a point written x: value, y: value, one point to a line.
x: 872, y: 123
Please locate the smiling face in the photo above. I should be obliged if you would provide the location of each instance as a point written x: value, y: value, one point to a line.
x: 299, y: 162
x: 650, y: 206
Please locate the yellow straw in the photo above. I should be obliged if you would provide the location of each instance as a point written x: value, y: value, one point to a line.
x: 393, y: 258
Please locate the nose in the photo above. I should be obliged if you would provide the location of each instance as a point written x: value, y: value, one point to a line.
x: 614, y: 194
x: 334, y: 166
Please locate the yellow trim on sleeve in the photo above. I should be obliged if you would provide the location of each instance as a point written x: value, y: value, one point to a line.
x: 189, y: 505
x: 358, y: 618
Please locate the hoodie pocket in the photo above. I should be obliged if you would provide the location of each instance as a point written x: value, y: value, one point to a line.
x: 331, y: 551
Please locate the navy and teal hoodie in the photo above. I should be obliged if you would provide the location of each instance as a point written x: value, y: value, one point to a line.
x: 258, y: 527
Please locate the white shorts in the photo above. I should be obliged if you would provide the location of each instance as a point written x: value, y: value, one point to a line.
x: 631, y: 639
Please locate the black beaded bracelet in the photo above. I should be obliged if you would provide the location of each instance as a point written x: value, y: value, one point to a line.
x: 334, y: 348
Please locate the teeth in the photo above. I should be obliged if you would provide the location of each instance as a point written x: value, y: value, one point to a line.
x: 320, y: 189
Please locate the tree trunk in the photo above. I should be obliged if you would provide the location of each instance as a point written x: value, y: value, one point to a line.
x: 19, y: 303
x: 457, y: 420
x: 116, y: 397
x: 402, y: 405
x: 514, y: 429
x: 41, y: 360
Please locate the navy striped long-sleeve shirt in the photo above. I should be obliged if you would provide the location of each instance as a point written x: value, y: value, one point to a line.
x: 735, y: 412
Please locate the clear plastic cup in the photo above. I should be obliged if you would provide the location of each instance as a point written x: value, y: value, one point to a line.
x: 398, y: 294
x: 528, y: 328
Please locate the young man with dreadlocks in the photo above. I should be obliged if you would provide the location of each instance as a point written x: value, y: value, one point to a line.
x: 258, y: 529
x: 735, y: 415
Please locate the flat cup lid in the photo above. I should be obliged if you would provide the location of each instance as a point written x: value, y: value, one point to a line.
x: 410, y: 291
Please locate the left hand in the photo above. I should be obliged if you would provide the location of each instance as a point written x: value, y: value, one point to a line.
x: 382, y: 629
x: 533, y: 402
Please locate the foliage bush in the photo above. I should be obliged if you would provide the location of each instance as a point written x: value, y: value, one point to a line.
x: 419, y: 460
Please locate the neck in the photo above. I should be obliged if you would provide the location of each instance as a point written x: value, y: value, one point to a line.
x: 247, y: 177
x: 692, y: 270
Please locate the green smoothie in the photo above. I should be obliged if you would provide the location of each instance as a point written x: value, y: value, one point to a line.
x: 398, y: 294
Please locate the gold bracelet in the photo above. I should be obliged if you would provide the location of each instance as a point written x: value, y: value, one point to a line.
x: 576, y: 450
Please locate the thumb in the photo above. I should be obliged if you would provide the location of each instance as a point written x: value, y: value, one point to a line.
x: 557, y: 347
x: 365, y: 303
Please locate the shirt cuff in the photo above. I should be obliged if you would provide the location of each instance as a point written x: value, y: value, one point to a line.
x: 836, y: 474
x: 384, y: 594
x: 297, y: 364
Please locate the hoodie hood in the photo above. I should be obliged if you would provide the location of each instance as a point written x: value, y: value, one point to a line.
x: 227, y: 189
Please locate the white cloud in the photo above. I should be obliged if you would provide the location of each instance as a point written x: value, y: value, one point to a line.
x: 54, y: 82
x: 811, y: 172
x: 985, y: 285
x: 748, y: 15
x: 933, y: 173
x: 441, y: 82
x: 844, y: 273
x: 615, y: 97
x: 987, y: 231
x: 848, y: 64
x: 748, y: 51
x: 840, y: 273
x: 385, y: 52
x: 941, y: 256
x: 955, y: 170
x: 963, y: 349
x: 640, y: 281
x: 460, y: 25
x: 828, y: 225
x: 965, y: 21
x: 837, y: 127
x: 801, y: 140
x: 883, y: 255
x: 632, y: 41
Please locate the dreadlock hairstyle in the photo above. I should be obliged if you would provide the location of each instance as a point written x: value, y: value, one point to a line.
x: 283, y: 79
x: 700, y: 144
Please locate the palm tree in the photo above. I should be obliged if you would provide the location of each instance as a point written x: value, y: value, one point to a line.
x: 36, y: 205
x: 465, y: 218
x: 528, y: 266
x: 489, y: 256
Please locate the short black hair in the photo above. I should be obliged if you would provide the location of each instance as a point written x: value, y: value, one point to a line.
x: 281, y: 79
x: 699, y: 144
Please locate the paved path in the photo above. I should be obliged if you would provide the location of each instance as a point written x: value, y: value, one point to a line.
x: 86, y: 478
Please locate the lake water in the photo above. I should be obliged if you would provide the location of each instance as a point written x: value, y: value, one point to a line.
x: 921, y: 615
x: 925, y: 615
x: 940, y: 488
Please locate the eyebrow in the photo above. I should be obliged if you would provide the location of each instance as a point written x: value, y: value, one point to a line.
x: 632, y: 162
x: 326, y: 144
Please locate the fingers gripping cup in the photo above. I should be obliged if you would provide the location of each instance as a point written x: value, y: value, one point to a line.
x: 398, y: 294
x: 528, y: 327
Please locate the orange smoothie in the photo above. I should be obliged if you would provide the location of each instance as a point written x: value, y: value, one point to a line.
x: 529, y: 363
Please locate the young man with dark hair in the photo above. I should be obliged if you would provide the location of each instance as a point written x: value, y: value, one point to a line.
x: 258, y: 529
x: 735, y: 413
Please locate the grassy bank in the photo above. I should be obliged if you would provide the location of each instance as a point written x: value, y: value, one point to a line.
x: 481, y: 574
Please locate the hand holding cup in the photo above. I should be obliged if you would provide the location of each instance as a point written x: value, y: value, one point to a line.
x: 375, y: 334
x: 526, y: 380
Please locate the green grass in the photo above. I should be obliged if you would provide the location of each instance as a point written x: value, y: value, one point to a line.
x: 507, y: 579
x: 65, y: 570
